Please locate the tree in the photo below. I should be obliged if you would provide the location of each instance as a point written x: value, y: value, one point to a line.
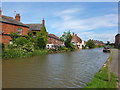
x: 108, y: 43
x: 90, y: 44
x: 66, y: 38
x: 40, y: 43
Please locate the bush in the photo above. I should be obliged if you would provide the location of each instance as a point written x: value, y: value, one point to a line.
x: 26, y: 48
x: 40, y: 43
x: 90, y: 44
x: 7, y: 54
x: 21, y: 41
x: 83, y: 46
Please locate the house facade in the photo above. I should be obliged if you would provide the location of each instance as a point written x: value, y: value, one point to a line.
x: 54, y: 42
x: 77, y: 41
x: 117, y: 40
x: 11, y: 25
x: 97, y: 42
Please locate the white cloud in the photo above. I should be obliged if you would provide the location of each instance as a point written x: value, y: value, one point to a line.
x: 84, y: 26
x: 102, y: 36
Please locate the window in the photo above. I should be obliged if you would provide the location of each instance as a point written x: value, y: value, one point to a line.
x: 20, y: 31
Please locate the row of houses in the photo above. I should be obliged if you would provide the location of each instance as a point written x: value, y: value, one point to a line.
x: 9, y: 24
x: 97, y: 42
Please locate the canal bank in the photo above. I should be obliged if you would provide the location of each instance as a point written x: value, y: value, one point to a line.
x: 107, y: 77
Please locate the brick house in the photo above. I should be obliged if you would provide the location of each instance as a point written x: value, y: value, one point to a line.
x: 34, y: 28
x: 10, y: 24
x: 97, y: 42
x: 53, y: 40
x: 77, y: 41
x: 117, y: 40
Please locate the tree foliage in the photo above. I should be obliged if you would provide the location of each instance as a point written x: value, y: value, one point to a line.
x: 66, y: 38
x: 90, y: 44
x: 40, y: 43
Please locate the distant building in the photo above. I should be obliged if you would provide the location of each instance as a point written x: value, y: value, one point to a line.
x: 77, y: 41
x: 10, y: 24
x: 117, y: 40
x: 54, y: 41
x: 97, y: 42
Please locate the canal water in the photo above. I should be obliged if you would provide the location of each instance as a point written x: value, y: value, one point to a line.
x: 60, y: 70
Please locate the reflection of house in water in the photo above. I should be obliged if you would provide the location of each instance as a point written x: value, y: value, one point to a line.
x: 77, y: 41
x: 117, y: 40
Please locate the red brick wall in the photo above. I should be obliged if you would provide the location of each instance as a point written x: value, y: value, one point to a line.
x: 54, y: 41
x: 6, y: 39
x: 8, y: 28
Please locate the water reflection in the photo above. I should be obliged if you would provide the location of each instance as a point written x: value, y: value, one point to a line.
x: 69, y: 69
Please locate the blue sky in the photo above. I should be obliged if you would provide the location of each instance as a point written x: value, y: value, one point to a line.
x: 89, y: 20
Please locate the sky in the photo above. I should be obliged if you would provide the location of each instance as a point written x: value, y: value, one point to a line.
x: 89, y: 20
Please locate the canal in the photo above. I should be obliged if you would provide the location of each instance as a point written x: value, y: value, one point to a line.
x: 60, y: 70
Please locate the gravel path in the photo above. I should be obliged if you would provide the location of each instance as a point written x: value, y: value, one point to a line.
x: 115, y: 63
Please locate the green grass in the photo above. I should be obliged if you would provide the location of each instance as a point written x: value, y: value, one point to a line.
x: 100, y: 79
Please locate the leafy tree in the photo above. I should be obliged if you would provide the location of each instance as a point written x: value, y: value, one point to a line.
x: 90, y: 44
x: 40, y: 43
x: 66, y: 38
x: 108, y: 43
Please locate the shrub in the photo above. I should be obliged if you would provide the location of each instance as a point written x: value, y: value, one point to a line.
x: 90, y: 44
x: 40, y: 43
x: 7, y: 54
x: 21, y: 41
x: 26, y: 48
x: 83, y: 46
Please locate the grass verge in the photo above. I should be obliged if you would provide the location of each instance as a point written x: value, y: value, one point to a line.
x: 100, y: 79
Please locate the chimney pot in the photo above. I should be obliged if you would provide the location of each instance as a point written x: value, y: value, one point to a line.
x: 17, y: 17
x: 43, y: 22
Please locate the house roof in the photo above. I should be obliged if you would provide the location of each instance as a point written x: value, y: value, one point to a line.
x: 11, y: 20
x: 76, y: 39
x: 34, y: 26
x: 54, y: 36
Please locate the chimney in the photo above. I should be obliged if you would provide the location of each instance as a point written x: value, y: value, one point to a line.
x: 0, y: 12
x: 17, y: 17
x: 43, y: 22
